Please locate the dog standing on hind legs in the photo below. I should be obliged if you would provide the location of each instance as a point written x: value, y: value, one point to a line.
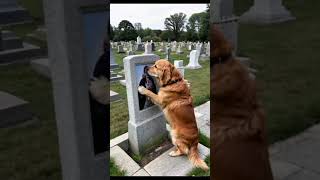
x: 175, y: 100
x: 239, y: 140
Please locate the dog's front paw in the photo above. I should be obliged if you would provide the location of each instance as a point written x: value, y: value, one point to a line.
x: 142, y: 90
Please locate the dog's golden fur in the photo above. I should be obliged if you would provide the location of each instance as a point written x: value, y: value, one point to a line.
x: 176, y: 102
x: 238, y: 139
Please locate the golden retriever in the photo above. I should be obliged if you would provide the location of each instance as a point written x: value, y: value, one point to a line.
x: 176, y: 102
x: 239, y: 144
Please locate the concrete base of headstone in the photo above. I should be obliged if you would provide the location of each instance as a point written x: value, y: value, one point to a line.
x: 123, y: 82
x: 145, y: 135
x: 42, y: 67
x: 114, y: 96
x: 179, y: 52
x: 193, y: 67
x: 13, y: 110
x: 163, y: 165
x: 262, y: 15
x: 16, y: 15
x: 20, y: 55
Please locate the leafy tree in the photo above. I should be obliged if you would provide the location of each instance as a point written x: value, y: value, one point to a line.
x: 126, y: 31
x: 111, y: 32
x: 175, y: 24
x: 165, y: 35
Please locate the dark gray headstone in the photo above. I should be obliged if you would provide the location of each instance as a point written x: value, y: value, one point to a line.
x: 13, y: 110
x: 11, y: 13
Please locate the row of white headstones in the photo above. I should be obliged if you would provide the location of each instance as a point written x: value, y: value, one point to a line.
x: 174, y: 46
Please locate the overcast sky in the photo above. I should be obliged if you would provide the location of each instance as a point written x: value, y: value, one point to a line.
x: 150, y: 15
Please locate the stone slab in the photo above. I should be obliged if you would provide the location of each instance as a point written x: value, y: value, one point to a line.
x: 304, y: 175
x: 11, y: 43
x: 14, y: 15
x: 114, y: 96
x: 13, y: 110
x: 302, y: 153
x: 282, y: 169
x: 123, y: 82
x: 41, y: 66
x: 20, y: 55
x: 116, y: 78
x: 121, y: 141
x: 165, y: 165
x: 141, y: 172
x: 124, y: 161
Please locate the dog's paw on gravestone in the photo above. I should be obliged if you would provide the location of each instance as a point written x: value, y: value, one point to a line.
x: 141, y: 90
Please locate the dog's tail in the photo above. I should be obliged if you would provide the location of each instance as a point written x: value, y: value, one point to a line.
x: 196, y: 159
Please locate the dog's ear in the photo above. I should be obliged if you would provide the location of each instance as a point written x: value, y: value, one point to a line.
x: 175, y: 73
x: 166, y: 75
x: 221, y: 47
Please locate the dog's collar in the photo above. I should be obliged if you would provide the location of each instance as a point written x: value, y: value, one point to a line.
x: 172, y: 82
x: 220, y: 59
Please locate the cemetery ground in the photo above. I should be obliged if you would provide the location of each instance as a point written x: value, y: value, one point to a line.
x: 285, y: 55
x: 200, y: 90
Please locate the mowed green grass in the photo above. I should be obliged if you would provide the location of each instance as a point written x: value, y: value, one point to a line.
x: 29, y: 152
x: 287, y: 58
x: 200, y: 90
x: 34, y: 7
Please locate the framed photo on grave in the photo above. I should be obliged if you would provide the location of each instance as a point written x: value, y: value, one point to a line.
x: 144, y: 79
x: 95, y: 24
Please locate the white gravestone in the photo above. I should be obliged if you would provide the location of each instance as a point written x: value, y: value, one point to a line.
x: 147, y: 48
x: 179, y: 65
x: 146, y: 126
x: 69, y: 31
x: 138, y: 40
x: 179, y: 51
x: 193, y: 60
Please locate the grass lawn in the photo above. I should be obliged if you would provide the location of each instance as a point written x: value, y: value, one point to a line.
x: 198, y: 78
x: 35, y: 9
x: 287, y: 59
x: 115, y: 170
x: 29, y: 152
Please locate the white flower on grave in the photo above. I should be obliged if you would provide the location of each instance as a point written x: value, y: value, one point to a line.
x: 99, y: 90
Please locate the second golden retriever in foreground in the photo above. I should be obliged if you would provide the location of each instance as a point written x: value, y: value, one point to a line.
x: 176, y: 102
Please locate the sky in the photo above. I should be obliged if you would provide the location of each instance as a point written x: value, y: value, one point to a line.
x: 150, y: 15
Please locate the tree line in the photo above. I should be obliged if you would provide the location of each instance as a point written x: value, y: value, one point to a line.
x: 177, y: 28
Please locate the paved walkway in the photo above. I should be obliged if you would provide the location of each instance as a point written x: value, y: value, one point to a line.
x: 202, y: 114
x: 297, y: 158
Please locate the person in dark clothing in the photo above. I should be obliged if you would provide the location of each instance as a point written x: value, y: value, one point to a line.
x: 147, y: 82
x: 100, y: 111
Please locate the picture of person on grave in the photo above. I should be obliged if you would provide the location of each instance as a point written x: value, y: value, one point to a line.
x: 147, y: 82
x: 99, y: 99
